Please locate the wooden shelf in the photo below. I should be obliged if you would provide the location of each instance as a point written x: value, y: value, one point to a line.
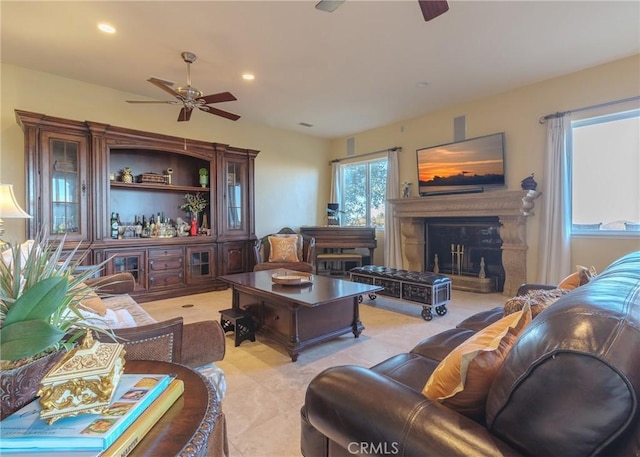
x: 157, y: 186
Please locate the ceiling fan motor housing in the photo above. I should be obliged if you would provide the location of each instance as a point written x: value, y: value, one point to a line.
x: 188, y: 57
x: 188, y: 93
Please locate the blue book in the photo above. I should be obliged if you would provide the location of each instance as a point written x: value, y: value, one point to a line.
x: 24, y: 431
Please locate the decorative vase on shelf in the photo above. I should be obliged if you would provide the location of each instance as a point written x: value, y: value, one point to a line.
x: 194, y: 225
x: 127, y: 176
x: 204, y: 177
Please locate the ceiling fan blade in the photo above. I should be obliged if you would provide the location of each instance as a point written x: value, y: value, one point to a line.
x: 162, y: 85
x: 172, y: 102
x: 185, y: 114
x: 329, y: 5
x: 219, y: 112
x: 217, y: 98
x: 433, y: 8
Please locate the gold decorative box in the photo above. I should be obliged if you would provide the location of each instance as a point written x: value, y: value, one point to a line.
x: 83, y: 382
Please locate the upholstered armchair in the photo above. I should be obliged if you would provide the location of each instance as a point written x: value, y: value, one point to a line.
x: 285, y: 249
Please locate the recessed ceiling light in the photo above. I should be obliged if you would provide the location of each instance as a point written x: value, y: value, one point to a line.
x: 248, y: 77
x: 106, y: 28
x: 422, y: 84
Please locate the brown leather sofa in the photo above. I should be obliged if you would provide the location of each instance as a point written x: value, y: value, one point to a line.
x: 569, y: 387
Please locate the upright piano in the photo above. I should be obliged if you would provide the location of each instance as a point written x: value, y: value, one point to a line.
x: 335, y: 237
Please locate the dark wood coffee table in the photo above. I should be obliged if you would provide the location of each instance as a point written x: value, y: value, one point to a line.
x: 296, y: 317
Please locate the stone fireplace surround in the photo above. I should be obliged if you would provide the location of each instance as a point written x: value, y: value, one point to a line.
x: 511, y: 207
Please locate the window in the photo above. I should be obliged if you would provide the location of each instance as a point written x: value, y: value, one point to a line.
x: 364, y: 192
x: 605, y: 164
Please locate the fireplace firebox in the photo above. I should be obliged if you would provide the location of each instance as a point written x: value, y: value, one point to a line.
x: 465, y: 246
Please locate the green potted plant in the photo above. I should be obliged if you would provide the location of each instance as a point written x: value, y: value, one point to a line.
x: 39, y: 317
x: 204, y: 177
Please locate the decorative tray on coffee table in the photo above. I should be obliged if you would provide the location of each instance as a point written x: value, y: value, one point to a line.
x: 292, y: 278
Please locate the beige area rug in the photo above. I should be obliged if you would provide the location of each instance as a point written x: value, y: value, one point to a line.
x: 265, y: 390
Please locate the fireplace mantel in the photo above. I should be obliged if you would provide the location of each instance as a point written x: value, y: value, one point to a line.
x: 511, y: 207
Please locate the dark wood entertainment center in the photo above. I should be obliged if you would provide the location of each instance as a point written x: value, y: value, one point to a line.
x: 73, y: 185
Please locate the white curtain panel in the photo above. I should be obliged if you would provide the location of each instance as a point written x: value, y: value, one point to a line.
x: 335, y: 196
x: 554, y: 256
x: 392, y: 244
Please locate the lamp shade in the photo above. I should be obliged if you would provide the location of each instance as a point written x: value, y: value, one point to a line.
x: 9, y: 207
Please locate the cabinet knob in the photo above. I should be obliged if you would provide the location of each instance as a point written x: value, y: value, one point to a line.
x: 84, y: 187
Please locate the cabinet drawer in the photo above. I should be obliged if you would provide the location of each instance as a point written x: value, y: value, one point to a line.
x: 276, y: 319
x: 165, y: 263
x: 173, y: 252
x: 159, y: 280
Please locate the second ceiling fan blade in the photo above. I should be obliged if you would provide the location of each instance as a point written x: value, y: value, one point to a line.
x: 185, y: 114
x: 329, y: 5
x: 217, y: 98
x: 433, y: 8
x: 171, y: 102
x: 219, y: 112
x: 161, y: 85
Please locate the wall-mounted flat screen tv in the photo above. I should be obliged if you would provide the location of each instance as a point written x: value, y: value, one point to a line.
x: 473, y: 165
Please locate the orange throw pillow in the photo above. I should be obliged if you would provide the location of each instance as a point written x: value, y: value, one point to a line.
x: 283, y: 249
x: 463, y: 379
x: 88, y: 300
x: 582, y: 276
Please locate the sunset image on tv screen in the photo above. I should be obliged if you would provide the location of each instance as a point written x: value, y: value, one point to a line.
x: 476, y: 162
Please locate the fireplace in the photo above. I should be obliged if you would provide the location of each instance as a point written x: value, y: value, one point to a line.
x: 510, y: 209
x: 466, y: 246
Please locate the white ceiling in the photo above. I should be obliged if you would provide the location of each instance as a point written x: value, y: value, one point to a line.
x: 343, y: 72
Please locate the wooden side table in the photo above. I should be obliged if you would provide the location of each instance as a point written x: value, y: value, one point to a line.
x: 239, y: 322
x: 185, y: 428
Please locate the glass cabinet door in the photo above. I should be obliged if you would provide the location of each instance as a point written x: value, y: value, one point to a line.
x: 236, y: 197
x: 125, y: 261
x: 65, y: 187
x: 201, y: 264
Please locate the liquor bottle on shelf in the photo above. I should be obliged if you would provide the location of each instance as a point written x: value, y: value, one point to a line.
x: 114, y: 226
x: 138, y: 227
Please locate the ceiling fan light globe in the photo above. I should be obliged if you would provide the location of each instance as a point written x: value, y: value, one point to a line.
x: 189, y: 93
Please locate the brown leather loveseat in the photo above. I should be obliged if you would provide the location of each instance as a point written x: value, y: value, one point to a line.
x: 568, y: 387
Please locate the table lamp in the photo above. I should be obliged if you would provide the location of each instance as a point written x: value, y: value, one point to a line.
x: 9, y: 207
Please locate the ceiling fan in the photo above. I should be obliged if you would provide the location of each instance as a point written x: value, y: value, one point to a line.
x: 190, y: 97
x: 430, y: 8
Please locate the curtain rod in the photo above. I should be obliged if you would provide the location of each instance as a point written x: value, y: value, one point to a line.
x: 395, y: 148
x: 543, y: 119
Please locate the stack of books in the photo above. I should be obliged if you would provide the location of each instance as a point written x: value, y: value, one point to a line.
x: 139, y: 402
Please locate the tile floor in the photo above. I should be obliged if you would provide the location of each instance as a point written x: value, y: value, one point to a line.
x: 265, y: 390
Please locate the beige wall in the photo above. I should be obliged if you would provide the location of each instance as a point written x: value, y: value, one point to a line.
x: 516, y: 113
x: 291, y: 169
x: 292, y: 172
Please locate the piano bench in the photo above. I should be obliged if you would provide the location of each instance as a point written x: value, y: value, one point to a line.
x: 340, y: 258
